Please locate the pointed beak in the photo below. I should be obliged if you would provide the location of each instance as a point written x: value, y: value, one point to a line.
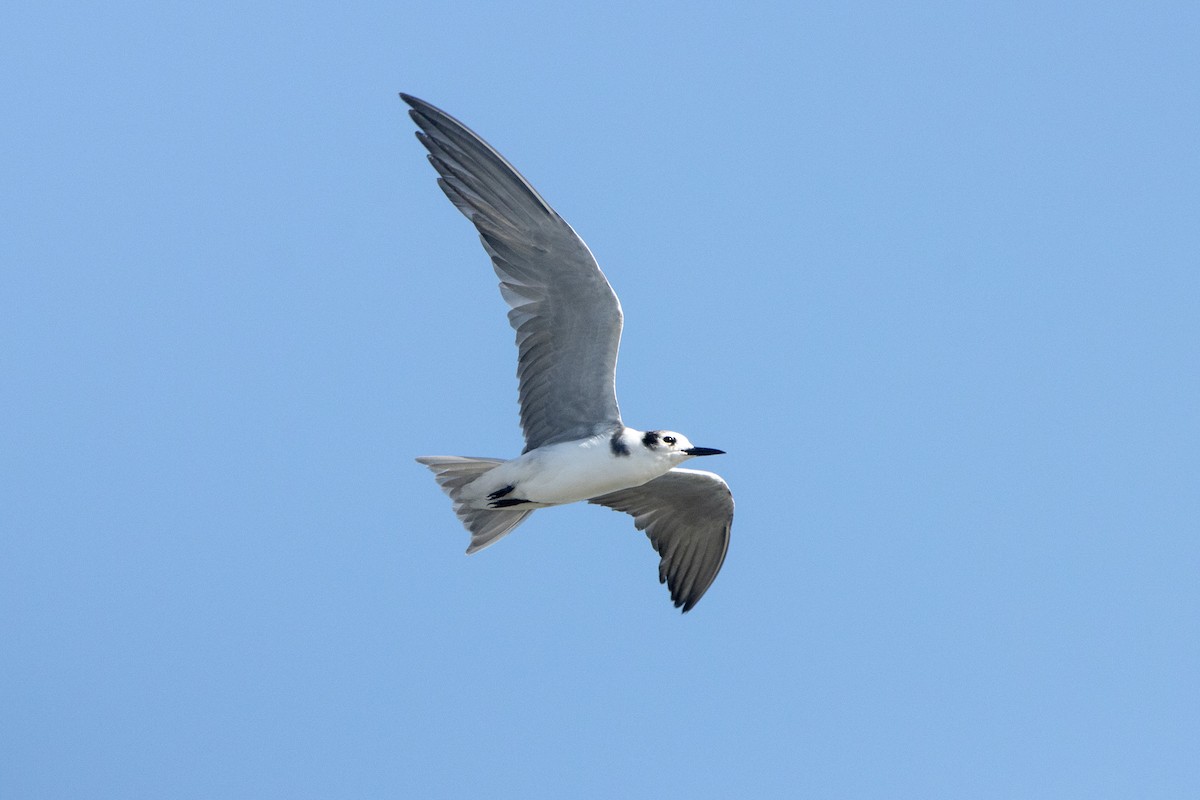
x: 703, y: 451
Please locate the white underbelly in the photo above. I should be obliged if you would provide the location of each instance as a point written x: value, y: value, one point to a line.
x: 574, y: 482
x: 568, y: 473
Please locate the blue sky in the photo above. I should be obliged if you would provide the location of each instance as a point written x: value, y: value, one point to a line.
x: 929, y: 274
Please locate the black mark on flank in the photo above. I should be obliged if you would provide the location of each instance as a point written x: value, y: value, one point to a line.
x: 619, y: 448
x: 496, y: 495
x: 650, y: 439
x: 513, y: 501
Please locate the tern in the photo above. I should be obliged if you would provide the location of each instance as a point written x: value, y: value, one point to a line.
x: 568, y: 328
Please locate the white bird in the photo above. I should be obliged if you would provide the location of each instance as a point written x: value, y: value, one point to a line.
x: 568, y: 324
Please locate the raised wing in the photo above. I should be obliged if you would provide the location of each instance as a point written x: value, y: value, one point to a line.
x: 687, y: 514
x: 566, y: 316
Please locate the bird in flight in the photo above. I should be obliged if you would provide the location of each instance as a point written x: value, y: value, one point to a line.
x: 568, y: 328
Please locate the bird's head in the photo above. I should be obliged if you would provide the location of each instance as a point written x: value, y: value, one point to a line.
x: 674, y: 446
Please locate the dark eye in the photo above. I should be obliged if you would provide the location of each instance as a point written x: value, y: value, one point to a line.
x: 669, y: 439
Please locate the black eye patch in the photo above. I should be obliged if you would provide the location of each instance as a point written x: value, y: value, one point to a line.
x: 650, y: 439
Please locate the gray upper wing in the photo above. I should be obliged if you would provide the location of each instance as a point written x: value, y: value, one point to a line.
x: 566, y: 316
x: 687, y: 514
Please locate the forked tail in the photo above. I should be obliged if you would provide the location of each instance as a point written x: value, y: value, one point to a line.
x: 486, y: 525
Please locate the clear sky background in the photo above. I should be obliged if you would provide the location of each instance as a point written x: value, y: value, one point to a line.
x: 929, y: 273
